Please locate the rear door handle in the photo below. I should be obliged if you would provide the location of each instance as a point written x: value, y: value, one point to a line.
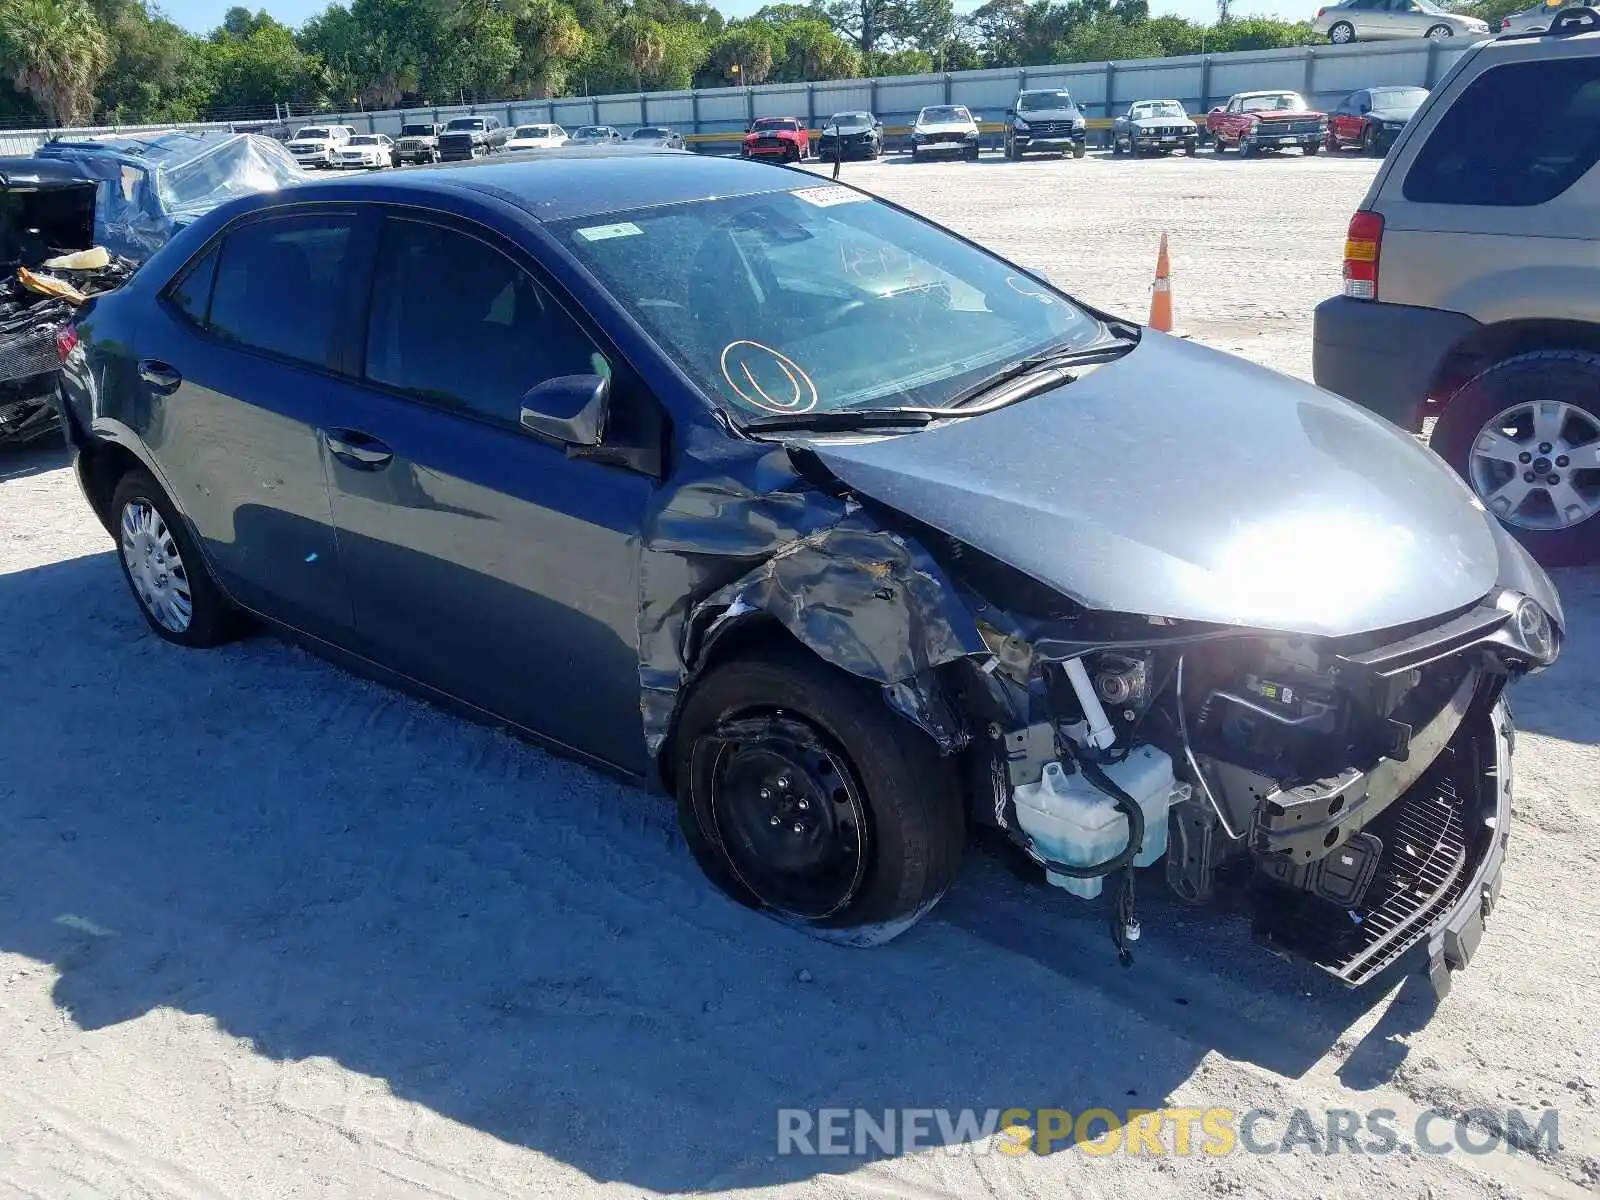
x: 163, y: 380
x: 356, y: 449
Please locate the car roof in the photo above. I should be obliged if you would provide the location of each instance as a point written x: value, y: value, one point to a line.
x: 577, y: 182
x: 1283, y: 91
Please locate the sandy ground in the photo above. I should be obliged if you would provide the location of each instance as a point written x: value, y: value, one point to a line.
x: 267, y: 930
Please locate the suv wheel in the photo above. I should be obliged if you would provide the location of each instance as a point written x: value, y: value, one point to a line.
x: 801, y: 794
x: 1079, y: 149
x: 1525, y: 435
x: 1342, y: 33
x: 1439, y: 33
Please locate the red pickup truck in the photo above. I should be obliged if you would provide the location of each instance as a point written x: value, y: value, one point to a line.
x: 1257, y: 121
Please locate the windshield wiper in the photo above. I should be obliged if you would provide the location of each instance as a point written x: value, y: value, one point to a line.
x: 1049, y: 367
x: 843, y: 418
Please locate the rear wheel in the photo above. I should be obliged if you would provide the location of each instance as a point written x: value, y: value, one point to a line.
x: 1370, y: 144
x: 1342, y: 33
x: 1525, y: 435
x: 1079, y: 149
x: 1439, y: 33
x: 164, y: 569
x: 803, y: 795
x: 1116, y: 145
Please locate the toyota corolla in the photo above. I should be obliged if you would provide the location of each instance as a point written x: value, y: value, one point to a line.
x: 841, y: 529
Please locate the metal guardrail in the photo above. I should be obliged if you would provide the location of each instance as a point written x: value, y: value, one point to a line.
x: 714, y: 119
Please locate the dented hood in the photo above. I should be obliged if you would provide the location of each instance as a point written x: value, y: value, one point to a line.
x: 1181, y: 482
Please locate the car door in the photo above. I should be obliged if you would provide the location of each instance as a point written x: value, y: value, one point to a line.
x: 485, y: 562
x: 1346, y: 120
x: 238, y: 357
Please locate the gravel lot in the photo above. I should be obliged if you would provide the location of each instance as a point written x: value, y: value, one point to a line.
x: 268, y: 930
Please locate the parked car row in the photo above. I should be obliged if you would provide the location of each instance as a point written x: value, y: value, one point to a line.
x: 457, y: 140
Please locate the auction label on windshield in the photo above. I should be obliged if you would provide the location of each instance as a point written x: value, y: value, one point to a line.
x: 599, y: 233
x: 827, y: 197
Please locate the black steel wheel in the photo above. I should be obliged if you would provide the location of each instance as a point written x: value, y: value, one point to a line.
x: 803, y: 795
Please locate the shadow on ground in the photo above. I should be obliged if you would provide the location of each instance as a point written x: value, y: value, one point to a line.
x: 34, y: 458
x: 327, y: 868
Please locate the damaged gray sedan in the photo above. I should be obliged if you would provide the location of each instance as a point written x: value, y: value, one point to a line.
x: 843, y: 530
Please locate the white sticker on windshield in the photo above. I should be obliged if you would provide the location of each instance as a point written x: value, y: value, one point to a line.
x: 827, y: 197
x: 599, y: 233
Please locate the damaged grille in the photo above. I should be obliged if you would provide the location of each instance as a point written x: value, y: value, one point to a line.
x: 1422, y: 872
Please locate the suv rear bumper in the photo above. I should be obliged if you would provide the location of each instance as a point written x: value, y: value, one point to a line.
x: 1385, y: 357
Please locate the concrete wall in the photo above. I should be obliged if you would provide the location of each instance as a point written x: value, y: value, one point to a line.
x: 714, y: 118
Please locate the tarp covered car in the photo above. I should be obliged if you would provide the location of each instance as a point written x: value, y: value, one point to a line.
x: 155, y: 186
x: 46, y: 212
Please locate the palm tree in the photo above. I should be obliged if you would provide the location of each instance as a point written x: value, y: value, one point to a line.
x: 642, y: 44
x: 55, y: 51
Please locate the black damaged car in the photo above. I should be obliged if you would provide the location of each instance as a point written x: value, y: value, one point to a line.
x: 839, y: 528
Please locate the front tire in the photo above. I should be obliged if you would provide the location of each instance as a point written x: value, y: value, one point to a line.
x: 1525, y: 435
x: 1311, y: 149
x: 802, y: 795
x: 164, y: 569
x: 1440, y: 33
x: 1079, y: 149
x: 1341, y: 33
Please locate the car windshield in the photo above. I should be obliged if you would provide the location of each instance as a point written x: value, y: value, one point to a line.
x: 944, y: 112
x: 1158, y: 108
x: 1273, y: 102
x: 591, y: 131
x: 1400, y: 97
x: 366, y: 139
x: 776, y: 123
x: 532, y: 131
x: 312, y: 132
x: 416, y: 130
x: 465, y: 123
x: 855, y: 120
x: 1039, y: 101
x: 820, y: 300
x: 643, y: 134
x: 1428, y: 6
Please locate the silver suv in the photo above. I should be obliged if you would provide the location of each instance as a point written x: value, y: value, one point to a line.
x: 1370, y: 20
x: 1471, y: 305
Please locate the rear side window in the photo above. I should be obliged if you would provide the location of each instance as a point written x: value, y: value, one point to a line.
x: 1519, y: 135
x: 275, y: 285
x: 192, y: 293
x: 456, y: 322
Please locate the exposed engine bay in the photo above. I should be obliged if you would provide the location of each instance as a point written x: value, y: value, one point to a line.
x: 1353, y: 787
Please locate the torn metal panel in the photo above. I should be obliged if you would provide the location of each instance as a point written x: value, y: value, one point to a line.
x: 756, y: 537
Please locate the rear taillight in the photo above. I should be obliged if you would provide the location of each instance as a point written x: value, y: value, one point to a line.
x: 1361, y: 244
x: 66, y: 342
x: 1320, y: 11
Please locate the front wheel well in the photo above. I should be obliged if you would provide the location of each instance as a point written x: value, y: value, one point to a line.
x: 101, y: 467
x: 1492, y: 344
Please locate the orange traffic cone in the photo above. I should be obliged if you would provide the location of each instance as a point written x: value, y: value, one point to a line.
x: 1161, y: 292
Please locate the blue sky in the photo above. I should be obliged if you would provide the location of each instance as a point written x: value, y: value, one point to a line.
x: 202, y: 15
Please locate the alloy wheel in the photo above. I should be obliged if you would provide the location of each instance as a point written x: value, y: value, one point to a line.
x: 1439, y: 33
x: 1537, y: 465
x: 790, y: 819
x: 155, y: 566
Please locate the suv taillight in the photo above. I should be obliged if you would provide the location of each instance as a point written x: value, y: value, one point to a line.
x: 1361, y: 244
x: 66, y: 342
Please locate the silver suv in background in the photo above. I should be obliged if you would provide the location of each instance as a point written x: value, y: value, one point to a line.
x: 1471, y: 305
x: 1373, y: 20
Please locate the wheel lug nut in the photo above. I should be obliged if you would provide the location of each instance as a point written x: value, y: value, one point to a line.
x: 774, y: 822
x: 1524, y: 457
x: 799, y: 828
x: 1561, y: 461
x: 783, y: 783
x: 1552, y: 479
x: 766, y: 794
x: 802, y: 804
x: 1544, y: 447
x: 1527, y: 477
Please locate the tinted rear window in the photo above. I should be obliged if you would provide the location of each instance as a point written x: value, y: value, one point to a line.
x: 1520, y: 134
x: 275, y: 285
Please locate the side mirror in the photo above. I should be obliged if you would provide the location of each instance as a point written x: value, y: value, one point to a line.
x: 1011, y: 112
x: 570, y: 409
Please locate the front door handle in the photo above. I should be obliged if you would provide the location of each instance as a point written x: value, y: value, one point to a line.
x: 356, y: 449
x: 162, y: 379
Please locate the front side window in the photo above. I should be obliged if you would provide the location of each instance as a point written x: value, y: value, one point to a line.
x: 456, y: 322
x: 1520, y: 134
x: 820, y: 300
x: 275, y: 285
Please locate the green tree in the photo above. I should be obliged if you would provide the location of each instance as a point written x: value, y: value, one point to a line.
x: 55, y: 51
x: 641, y: 44
x: 742, y: 54
x: 158, y: 71
x: 263, y: 68
x: 811, y: 50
